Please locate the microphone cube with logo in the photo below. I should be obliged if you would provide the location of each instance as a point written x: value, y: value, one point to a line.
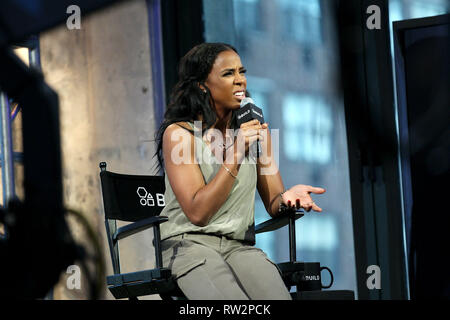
x: 247, y: 112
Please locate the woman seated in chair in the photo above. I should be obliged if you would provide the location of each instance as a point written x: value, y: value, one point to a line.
x: 211, y: 181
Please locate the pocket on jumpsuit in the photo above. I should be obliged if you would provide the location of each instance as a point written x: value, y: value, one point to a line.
x: 188, y: 268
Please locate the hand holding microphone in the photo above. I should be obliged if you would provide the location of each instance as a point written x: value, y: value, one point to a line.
x: 250, y: 117
x: 249, y: 133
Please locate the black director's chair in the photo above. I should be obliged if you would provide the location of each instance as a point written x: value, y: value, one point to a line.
x: 135, y: 199
x: 139, y: 200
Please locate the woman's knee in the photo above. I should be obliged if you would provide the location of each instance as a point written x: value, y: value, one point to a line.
x: 259, y: 276
x: 201, y: 272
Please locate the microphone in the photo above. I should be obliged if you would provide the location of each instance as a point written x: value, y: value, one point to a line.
x: 247, y: 112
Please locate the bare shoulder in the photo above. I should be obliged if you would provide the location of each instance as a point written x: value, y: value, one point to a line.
x: 178, y: 145
x: 183, y: 124
x: 178, y: 125
x: 177, y: 131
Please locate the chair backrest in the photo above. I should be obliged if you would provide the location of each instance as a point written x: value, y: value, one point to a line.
x: 131, y: 197
x: 128, y: 198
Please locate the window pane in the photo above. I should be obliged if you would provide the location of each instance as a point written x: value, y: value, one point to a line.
x: 404, y: 10
x: 413, y: 9
x: 291, y: 56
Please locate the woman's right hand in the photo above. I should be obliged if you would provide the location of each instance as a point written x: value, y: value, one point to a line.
x: 249, y: 132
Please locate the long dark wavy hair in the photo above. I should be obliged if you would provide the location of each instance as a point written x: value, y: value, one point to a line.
x: 187, y: 100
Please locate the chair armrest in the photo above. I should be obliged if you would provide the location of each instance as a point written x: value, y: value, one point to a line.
x: 279, y: 221
x: 138, y: 226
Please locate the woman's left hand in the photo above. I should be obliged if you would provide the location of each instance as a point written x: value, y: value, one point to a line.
x: 299, y: 197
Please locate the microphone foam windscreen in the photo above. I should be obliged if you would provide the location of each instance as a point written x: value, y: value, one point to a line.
x: 246, y: 100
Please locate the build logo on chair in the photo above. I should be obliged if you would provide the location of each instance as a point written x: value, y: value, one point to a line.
x: 146, y: 198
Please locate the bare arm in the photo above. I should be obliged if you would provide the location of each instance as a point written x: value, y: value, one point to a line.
x: 270, y: 184
x: 199, y: 201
